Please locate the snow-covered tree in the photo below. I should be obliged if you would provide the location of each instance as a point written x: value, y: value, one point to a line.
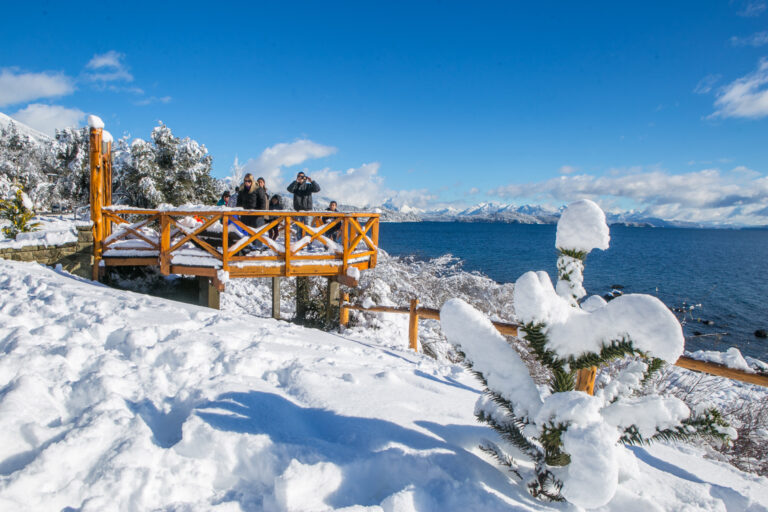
x: 576, y: 439
x: 164, y: 170
x: 27, y: 162
x: 72, y: 187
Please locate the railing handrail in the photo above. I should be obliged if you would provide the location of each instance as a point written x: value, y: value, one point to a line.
x: 511, y: 329
x: 357, y: 228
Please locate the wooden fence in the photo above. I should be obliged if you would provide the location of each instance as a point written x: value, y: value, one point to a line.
x: 585, y: 379
x: 201, y: 241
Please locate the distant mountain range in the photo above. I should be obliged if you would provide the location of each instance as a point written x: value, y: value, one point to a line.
x: 526, y: 214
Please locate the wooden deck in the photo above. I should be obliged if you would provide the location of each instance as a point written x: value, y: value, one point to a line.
x: 203, y: 241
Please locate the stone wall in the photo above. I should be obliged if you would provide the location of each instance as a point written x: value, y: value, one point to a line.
x: 74, y: 257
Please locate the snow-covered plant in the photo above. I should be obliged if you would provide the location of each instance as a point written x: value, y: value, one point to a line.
x: 165, y: 169
x: 574, y: 438
x: 17, y: 210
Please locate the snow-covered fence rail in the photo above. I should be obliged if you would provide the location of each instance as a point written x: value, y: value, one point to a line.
x: 243, y: 243
x: 510, y: 329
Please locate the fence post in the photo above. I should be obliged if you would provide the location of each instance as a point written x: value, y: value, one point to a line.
x: 165, y: 244
x: 96, y: 196
x: 276, y: 298
x: 585, y: 380
x: 413, y: 325
x: 343, y: 311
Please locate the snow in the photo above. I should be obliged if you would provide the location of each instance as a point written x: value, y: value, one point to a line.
x: 644, y: 319
x: 472, y: 332
x: 731, y: 358
x: 582, y: 227
x: 95, y: 122
x: 53, y: 230
x: 106, y: 136
x: 353, y: 272
x: 112, y: 400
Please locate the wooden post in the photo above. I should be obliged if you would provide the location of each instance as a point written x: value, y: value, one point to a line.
x: 97, y: 199
x: 585, y: 380
x: 344, y: 246
x: 343, y: 310
x: 375, y: 240
x: 288, y: 246
x: 413, y: 325
x: 165, y: 244
x: 225, y: 244
x: 332, y: 300
x: 107, y: 184
x: 302, y: 297
x: 208, y: 294
x: 276, y: 298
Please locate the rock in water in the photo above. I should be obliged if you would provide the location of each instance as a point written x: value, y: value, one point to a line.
x: 761, y: 333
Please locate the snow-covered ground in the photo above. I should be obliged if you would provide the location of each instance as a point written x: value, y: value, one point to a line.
x: 52, y: 230
x: 111, y: 400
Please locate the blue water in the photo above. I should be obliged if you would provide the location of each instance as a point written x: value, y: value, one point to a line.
x: 723, y: 270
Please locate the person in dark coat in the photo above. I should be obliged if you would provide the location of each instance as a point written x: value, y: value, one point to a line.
x: 224, y: 199
x: 302, y: 189
x: 275, y: 203
x: 253, y: 196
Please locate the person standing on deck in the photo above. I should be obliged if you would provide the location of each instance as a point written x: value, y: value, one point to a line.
x: 275, y: 203
x: 247, y: 199
x: 302, y: 189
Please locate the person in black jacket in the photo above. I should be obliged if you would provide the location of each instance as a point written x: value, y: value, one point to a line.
x: 253, y: 196
x: 335, y: 232
x: 302, y: 189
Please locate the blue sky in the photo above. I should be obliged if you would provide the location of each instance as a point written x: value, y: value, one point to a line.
x: 660, y: 107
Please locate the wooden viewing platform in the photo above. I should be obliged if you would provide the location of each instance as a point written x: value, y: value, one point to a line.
x: 204, y: 241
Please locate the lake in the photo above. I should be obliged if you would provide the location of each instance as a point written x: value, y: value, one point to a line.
x: 722, y: 273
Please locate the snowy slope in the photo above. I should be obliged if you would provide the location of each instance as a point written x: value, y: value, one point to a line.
x: 37, y: 136
x: 111, y: 400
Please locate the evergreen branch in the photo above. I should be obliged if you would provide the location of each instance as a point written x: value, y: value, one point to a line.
x: 709, y: 425
x: 502, y: 458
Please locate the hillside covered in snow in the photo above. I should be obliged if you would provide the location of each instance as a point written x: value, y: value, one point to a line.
x: 111, y: 400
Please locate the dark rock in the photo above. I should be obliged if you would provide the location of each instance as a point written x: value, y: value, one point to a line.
x: 761, y: 333
x: 608, y: 297
x: 707, y: 322
x: 617, y: 286
x: 697, y: 333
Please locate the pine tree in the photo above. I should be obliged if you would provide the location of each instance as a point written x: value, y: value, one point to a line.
x: 569, y: 435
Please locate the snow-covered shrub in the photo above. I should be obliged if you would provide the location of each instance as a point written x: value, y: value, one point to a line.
x: 395, y: 281
x: 573, y: 437
x: 18, y: 211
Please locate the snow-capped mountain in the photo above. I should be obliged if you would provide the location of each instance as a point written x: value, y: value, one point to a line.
x: 37, y: 136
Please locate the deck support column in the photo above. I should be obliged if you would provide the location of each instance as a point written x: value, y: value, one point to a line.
x: 302, y: 298
x: 209, y: 294
x: 333, y: 301
x: 276, y: 298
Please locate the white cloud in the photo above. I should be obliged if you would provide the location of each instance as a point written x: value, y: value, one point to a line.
x: 272, y: 160
x: 752, y: 8
x: 108, y: 67
x: 756, y: 39
x: 567, y: 169
x: 18, y: 87
x: 153, y: 99
x: 746, y: 96
x: 361, y: 186
x: 111, y: 59
x: 705, y: 195
x: 706, y: 84
x: 48, y: 118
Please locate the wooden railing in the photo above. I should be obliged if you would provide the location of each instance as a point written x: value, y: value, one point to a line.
x: 201, y: 241
x: 511, y: 329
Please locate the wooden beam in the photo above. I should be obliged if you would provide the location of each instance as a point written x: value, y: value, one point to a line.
x: 722, y: 371
x: 585, y: 380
